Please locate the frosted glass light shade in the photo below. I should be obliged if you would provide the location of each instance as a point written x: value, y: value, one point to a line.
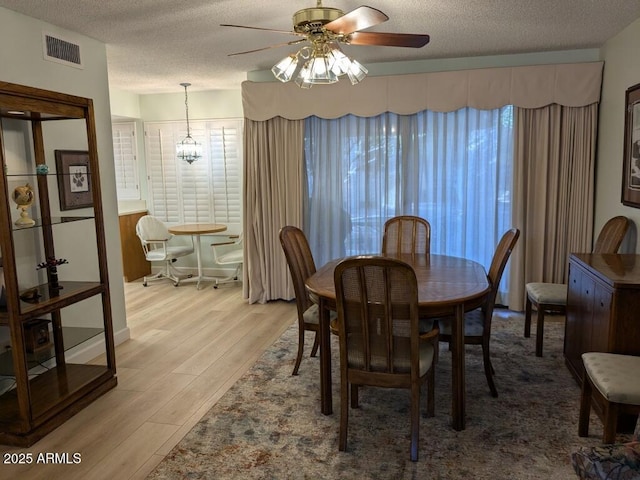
x: 356, y: 72
x: 285, y: 68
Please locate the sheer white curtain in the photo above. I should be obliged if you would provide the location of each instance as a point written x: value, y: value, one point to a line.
x: 453, y: 169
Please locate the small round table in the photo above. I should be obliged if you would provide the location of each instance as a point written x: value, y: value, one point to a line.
x: 196, y: 230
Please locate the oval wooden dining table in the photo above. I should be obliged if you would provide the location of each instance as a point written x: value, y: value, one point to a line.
x: 447, y: 286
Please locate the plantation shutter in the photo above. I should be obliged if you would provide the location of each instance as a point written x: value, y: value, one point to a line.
x: 125, y: 160
x: 225, y: 144
x: 210, y: 189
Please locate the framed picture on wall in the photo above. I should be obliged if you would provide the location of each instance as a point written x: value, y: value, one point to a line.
x: 74, y: 179
x: 631, y: 164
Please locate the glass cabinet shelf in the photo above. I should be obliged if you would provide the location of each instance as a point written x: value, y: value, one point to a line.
x: 46, y: 298
x: 73, y: 336
x: 39, y: 222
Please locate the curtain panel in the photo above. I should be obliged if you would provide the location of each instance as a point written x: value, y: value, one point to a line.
x: 572, y: 85
x: 274, y: 159
x: 554, y: 177
x: 274, y: 187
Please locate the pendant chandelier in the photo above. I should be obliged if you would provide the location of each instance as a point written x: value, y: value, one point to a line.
x: 188, y: 149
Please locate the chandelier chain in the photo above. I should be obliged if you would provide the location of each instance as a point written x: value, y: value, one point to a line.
x: 186, y: 106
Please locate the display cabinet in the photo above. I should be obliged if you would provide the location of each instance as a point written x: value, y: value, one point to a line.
x: 55, y: 308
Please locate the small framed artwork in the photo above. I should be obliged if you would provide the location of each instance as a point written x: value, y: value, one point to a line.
x: 631, y: 164
x: 74, y: 179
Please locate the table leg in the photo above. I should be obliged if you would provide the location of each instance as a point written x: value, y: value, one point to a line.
x: 196, y: 242
x: 458, y: 394
x: 326, y: 400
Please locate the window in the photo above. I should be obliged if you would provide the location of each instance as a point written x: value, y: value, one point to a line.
x: 453, y: 169
x: 126, y: 161
x: 208, y: 190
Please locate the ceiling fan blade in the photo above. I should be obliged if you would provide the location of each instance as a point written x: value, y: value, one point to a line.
x: 358, y: 19
x: 384, y: 39
x: 293, y: 42
x: 289, y: 32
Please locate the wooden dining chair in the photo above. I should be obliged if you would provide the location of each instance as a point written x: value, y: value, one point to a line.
x: 380, y: 342
x: 552, y: 297
x: 301, y: 266
x: 477, y: 323
x: 406, y: 234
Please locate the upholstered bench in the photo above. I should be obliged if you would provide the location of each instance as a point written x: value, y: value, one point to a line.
x: 618, y: 461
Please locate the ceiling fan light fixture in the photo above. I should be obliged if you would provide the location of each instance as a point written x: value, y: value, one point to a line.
x: 322, y: 66
x: 188, y: 149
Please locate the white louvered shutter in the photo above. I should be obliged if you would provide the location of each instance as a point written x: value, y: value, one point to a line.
x: 209, y: 189
x: 126, y: 161
x: 225, y: 143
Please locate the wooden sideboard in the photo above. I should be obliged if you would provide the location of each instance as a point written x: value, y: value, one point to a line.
x: 603, y: 307
x: 134, y: 264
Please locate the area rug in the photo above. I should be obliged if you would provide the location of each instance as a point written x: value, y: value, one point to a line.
x: 269, y: 425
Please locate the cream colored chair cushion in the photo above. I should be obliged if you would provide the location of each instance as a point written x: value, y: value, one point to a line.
x: 311, y: 314
x: 617, y: 377
x: 547, y: 293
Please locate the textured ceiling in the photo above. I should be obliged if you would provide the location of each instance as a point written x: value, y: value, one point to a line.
x: 154, y: 45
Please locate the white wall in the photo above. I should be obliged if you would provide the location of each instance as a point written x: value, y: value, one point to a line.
x: 621, y: 70
x: 21, y: 62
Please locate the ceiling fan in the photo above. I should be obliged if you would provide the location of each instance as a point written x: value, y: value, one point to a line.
x: 323, y: 29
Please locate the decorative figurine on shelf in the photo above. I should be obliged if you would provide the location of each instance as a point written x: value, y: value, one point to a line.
x: 52, y: 267
x: 24, y: 197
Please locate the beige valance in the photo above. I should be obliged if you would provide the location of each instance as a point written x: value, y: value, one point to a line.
x: 573, y: 85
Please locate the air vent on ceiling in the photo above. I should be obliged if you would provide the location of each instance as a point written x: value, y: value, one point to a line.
x: 62, y: 51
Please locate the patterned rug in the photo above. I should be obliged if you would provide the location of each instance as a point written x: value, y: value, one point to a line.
x: 269, y: 425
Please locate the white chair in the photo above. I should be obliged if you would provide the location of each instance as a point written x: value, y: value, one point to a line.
x: 228, y: 257
x: 155, y: 237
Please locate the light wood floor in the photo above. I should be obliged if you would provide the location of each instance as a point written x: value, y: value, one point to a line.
x: 187, y: 348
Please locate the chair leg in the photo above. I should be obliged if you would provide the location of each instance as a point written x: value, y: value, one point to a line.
x: 169, y: 272
x: 585, y: 407
x: 527, y: 318
x: 610, y: 421
x: 316, y: 344
x: 415, y: 420
x: 539, y: 331
x: 229, y: 279
x: 300, y: 349
x: 355, y: 399
x: 344, y: 413
x: 488, y: 368
x: 431, y: 389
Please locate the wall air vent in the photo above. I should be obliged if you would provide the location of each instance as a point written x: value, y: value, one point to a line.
x: 61, y: 51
